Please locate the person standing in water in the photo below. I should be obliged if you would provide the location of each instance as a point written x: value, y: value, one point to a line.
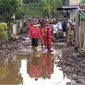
x: 34, y: 34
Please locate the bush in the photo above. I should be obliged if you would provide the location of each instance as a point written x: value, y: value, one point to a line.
x: 3, y: 31
x: 32, y: 10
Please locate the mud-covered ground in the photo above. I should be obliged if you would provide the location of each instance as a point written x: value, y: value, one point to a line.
x: 72, y: 63
x: 73, y: 66
x: 10, y: 48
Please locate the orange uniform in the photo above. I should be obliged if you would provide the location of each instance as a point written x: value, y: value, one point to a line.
x: 43, y: 37
x: 49, y: 37
x: 34, y: 32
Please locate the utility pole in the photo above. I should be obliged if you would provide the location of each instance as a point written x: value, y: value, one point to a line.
x: 76, y: 28
x: 49, y: 10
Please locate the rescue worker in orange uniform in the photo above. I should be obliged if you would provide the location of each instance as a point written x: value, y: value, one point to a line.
x: 49, y: 37
x: 34, y: 34
x: 43, y: 39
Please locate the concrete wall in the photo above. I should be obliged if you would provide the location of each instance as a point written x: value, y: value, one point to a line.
x: 16, y: 27
x: 74, y: 2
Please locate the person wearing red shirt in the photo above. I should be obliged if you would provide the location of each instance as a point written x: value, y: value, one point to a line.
x: 49, y: 37
x: 34, y: 34
x: 43, y: 39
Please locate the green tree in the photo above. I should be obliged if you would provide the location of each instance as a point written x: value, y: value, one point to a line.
x: 83, y: 1
x: 7, y: 9
x: 82, y: 11
x: 50, y: 5
x: 30, y: 1
x: 19, y: 10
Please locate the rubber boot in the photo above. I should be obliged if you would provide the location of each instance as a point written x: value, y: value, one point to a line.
x: 36, y: 48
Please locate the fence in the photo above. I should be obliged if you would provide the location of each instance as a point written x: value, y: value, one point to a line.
x: 82, y: 34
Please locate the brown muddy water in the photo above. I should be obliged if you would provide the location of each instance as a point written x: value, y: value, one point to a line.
x: 32, y: 69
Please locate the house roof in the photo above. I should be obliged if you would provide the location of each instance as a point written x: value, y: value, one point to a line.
x: 69, y: 7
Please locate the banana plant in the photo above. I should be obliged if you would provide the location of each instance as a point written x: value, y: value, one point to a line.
x: 82, y: 11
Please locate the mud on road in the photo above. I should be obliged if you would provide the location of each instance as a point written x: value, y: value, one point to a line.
x: 73, y: 66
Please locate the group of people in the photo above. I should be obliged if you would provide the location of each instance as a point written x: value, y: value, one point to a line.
x: 47, y: 31
x: 64, y: 29
x: 44, y: 34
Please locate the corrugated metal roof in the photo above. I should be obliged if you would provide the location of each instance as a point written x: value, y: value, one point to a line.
x: 69, y: 7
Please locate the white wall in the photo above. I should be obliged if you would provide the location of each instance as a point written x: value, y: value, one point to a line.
x: 74, y: 2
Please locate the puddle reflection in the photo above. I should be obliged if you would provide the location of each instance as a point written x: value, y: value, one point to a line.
x: 40, y: 66
x: 36, y: 68
x: 40, y: 69
x: 9, y: 68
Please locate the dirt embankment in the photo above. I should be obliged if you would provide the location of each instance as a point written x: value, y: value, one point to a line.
x: 73, y: 66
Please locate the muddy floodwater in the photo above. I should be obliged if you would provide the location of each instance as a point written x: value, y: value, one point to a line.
x: 34, y: 68
x: 20, y: 65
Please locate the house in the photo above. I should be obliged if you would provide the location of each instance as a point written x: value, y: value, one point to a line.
x: 71, y: 8
x: 71, y: 2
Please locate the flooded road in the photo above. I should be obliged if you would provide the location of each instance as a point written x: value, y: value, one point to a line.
x: 19, y: 65
x: 35, y: 68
